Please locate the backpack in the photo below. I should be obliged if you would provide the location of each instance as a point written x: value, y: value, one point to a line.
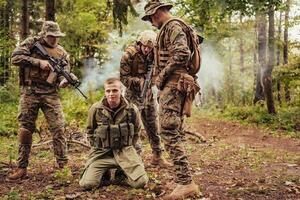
x: 195, y: 41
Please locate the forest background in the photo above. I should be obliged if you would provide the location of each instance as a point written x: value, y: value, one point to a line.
x: 247, y: 47
x: 250, y: 70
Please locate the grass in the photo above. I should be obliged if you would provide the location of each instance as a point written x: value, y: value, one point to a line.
x: 75, y: 107
x: 287, y: 119
x: 14, y: 194
x: 64, y: 176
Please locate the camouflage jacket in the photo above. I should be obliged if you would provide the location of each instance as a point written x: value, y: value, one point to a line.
x: 28, y: 61
x: 133, y: 70
x: 100, y: 114
x: 172, y: 53
x: 126, y: 157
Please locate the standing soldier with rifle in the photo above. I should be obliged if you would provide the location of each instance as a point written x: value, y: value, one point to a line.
x: 39, y: 90
x: 136, y: 74
x: 177, y: 60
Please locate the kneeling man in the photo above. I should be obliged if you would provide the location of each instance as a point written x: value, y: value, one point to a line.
x: 113, y: 130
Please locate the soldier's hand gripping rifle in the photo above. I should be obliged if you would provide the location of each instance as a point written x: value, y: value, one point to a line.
x: 147, y: 83
x: 58, y: 67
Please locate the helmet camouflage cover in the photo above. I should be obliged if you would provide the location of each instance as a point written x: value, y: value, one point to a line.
x: 147, y: 38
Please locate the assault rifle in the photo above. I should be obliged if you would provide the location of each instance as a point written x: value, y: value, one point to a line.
x: 147, y: 83
x: 58, y: 67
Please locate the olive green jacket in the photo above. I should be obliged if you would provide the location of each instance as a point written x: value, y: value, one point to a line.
x: 126, y: 157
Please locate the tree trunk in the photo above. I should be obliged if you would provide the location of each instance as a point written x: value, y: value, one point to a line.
x: 230, y: 78
x: 267, y: 75
x: 242, y: 62
x: 285, y: 47
x: 25, y: 20
x: 278, y: 57
x: 242, y: 51
x: 50, y: 10
x: 261, y: 48
x: 6, y: 20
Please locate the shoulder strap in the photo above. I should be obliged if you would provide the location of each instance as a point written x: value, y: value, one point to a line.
x: 131, y: 49
x: 194, y: 42
x: 162, y: 29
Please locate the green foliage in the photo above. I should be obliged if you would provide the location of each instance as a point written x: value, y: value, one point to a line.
x: 63, y: 176
x: 14, y: 194
x: 2, y: 2
x: 286, y: 120
x: 47, y: 193
x: 9, y: 148
x: 86, y: 24
x: 43, y: 154
x: 9, y: 94
x: 120, y: 13
x: 288, y: 73
x: 76, y: 107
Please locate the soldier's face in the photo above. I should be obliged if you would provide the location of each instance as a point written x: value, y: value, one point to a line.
x: 155, y: 19
x: 146, y: 49
x: 113, y: 94
x: 52, y: 41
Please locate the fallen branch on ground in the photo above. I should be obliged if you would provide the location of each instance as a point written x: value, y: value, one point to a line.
x: 68, y: 141
x: 196, y: 134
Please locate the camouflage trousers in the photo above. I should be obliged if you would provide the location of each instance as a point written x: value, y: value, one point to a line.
x: 149, y: 118
x: 171, y: 119
x: 29, y: 106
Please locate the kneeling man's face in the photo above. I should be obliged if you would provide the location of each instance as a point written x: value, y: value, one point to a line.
x: 113, y: 94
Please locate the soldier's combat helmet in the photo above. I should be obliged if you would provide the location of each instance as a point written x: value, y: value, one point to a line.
x: 152, y: 6
x: 147, y: 38
x: 51, y: 28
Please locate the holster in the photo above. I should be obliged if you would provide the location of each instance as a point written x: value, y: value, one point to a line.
x: 188, y: 86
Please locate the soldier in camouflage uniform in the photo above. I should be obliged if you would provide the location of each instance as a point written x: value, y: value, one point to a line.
x: 39, y: 90
x: 113, y: 130
x: 135, y: 64
x: 172, y: 56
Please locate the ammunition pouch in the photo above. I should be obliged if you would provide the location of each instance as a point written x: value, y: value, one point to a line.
x: 51, y: 79
x: 188, y: 86
x: 114, y: 136
x: 31, y: 75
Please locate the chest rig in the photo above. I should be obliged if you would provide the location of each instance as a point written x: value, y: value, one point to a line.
x: 112, y: 133
x: 34, y: 75
x: 139, y: 63
x: 161, y: 52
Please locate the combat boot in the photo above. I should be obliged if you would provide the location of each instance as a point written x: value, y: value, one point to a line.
x: 183, y: 191
x: 158, y: 160
x: 19, y: 173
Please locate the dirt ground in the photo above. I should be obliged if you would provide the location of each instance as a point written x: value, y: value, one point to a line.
x: 236, y: 162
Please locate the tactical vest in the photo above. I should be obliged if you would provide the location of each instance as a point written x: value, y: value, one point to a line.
x: 113, y: 136
x: 34, y: 75
x: 139, y: 65
x: 162, y: 55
